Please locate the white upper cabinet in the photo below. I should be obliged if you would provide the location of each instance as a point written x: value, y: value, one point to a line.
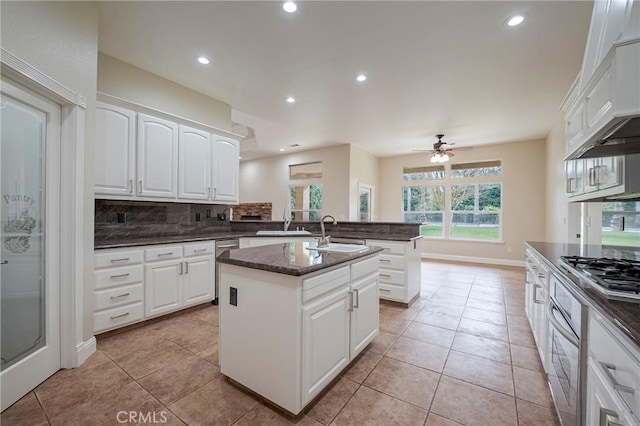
x: 157, y: 157
x: 226, y: 157
x: 194, y: 167
x: 114, y: 152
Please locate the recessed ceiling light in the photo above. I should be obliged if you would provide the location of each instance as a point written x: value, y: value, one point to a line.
x: 291, y: 99
x: 203, y: 60
x: 361, y: 78
x: 289, y: 6
x: 281, y: 149
x: 515, y: 20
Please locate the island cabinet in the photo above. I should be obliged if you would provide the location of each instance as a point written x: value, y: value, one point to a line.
x: 399, y: 270
x: 287, y: 337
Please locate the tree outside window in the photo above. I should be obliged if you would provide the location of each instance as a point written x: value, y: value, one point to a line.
x: 475, y: 211
x: 425, y: 205
x: 305, y: 202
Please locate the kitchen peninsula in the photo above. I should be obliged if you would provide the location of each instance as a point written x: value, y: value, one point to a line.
x: 293, y: 317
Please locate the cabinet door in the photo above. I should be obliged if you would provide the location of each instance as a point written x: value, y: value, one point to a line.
x: 157, y: 157
x: 609, y: 172
x: 163, y: 285
x: 364, y: 317
x: 198, y: 280
x: 114, y: 151
x: 194, y: 164
x: 601, y: 407
x: 226, y: 156
x: 590, y: 175
x: 325, y: 342
x: 541, y: 323
x: 528, y: 293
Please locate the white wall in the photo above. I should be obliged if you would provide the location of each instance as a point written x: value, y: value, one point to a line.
x: 136, y: 85
x: 523, y: 198
x: 267, y: 180
x: 61, y: 40
x: 363, y: 168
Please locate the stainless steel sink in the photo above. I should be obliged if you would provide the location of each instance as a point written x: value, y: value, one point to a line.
x: 340, y: 248
x: 283, y: 233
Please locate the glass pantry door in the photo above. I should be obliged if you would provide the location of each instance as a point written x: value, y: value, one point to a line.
x: 29, y: 288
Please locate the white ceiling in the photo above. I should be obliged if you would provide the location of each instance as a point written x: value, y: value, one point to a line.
x: 450, y: 67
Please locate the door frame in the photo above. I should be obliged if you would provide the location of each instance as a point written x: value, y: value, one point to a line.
x: 372, y: 205
x: 74, y: 350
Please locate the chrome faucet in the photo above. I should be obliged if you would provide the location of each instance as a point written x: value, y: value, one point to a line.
x: 324, y: 240
x: 287, y: 220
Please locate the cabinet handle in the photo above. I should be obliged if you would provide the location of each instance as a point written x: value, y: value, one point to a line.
x: 385, y: 275
x: 215, y: 192
x: 200, y: 250
x: 385, y: 290
x: 604, y: 421
x: 122, y: 259
x: 139, y: 187
x: 120, y: 295
x: 209, y: 192
x: 186, y: 267
x: 357, y: 297
x: 120, y: 275
x: 181, y: 266
x: 165, y: 254
x: 617, y: 386
x: 541, y: 275
x: 120, y: 316
x: 130, y: 186
x: 350, y: 301
x: 385, y: 260
x: 592, y: 176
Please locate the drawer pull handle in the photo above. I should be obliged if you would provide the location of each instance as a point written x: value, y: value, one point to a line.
x: 350, y: 309
x: 617, y: 386
x: 541, y: 275
x: 200, y: 250
x: 120, y: 276
x: 120, y: 316
x: 356, y: 304
x: 385, y: 260
x: 120, y: 295
x: 385, y: 290
x: 385, y: 275
x: 227, y: 246
x: 604, y: 414
x: 165, y: 254
x: 123, y: 259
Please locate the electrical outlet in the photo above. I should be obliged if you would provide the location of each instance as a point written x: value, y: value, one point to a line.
x: 233, y: 296
x: 198, y: 217
x: 208, y: 214
x: 122, y: 217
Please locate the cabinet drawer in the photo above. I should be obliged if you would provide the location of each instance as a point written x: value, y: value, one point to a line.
x: 105, y: 278
x: 391, y: 292
x: 162, y: 253
x: 117, y: 317
x: 393, y: 248
x: 389, y: 261
x: 117, y: 258
x: 316, y: 286
x: 112, y: 297
x: 619, y: 366
x: 198, y: 249
x: 363, y: 268
x: 392, y: 277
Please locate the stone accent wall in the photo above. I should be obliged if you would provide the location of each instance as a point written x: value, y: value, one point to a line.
x: 252, y: 209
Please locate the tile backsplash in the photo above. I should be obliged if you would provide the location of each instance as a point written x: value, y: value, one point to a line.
x: 117, y: 219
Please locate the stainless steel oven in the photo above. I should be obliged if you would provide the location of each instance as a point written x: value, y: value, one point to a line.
x: 567, y: 352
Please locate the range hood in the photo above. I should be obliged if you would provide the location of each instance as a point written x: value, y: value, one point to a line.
x: 620, y: 138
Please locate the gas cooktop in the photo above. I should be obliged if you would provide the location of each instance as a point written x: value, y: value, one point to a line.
x: 616, y: 278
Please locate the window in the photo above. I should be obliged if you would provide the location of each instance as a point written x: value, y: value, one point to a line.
x: 456, y: 201
x: 305, y: 171
x: 421, y: 173
x: 483, y: 168
x: 475, y: 211
x: 621, y: 223
x: 425, y: 205
x: 305, y: 202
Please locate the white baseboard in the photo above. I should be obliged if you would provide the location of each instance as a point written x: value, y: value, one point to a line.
x: 472, y: 259
x: 86, y: 349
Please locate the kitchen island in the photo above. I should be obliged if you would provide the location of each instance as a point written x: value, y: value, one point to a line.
x: 292, y: 317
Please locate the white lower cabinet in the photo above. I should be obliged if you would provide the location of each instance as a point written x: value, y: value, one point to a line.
x: 603, y: 407
x: 400, y: 273
x: 306, y: 329
x: 536, y: 295
x: 132, y: 284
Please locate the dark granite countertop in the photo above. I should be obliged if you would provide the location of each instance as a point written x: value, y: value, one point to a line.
x: 624, y: 315
x: 289, y: 258
x: 153, y: 240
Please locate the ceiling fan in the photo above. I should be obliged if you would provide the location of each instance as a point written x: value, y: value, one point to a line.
x: 442, y: 151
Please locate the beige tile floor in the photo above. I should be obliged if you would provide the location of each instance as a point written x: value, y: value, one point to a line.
x: 463, y: 354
